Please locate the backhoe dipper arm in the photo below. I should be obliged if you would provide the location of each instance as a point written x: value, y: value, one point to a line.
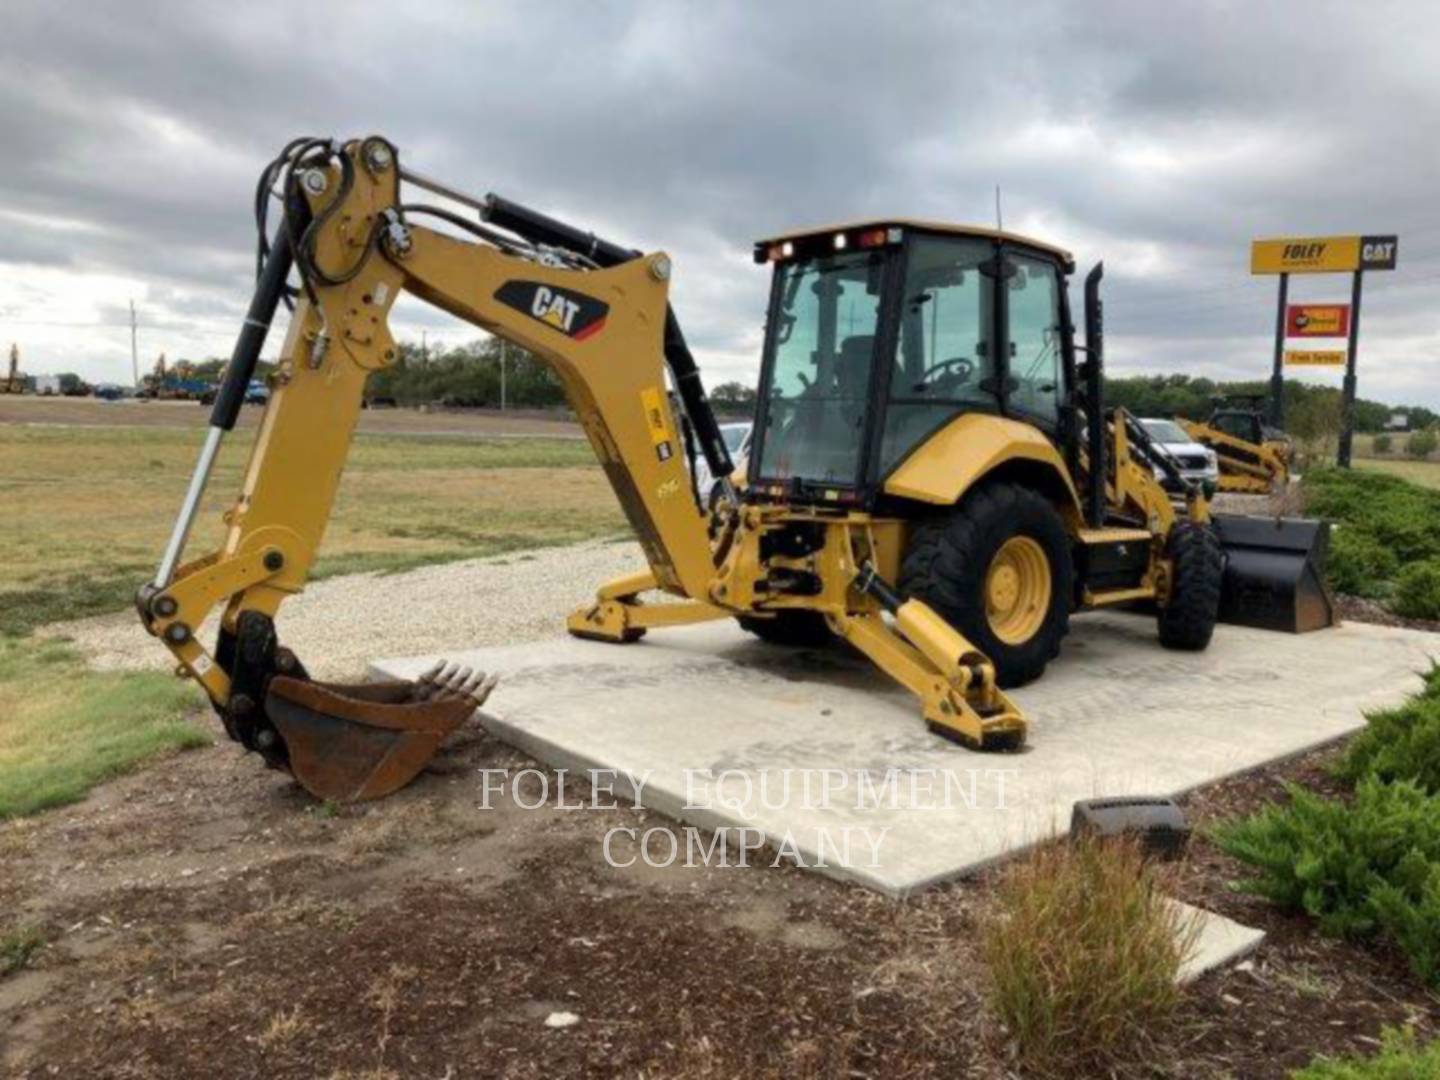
x: 603, y: 331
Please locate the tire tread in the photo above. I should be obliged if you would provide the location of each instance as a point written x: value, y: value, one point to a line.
x: 1188, y: 621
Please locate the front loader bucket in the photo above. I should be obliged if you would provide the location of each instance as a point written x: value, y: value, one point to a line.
x: 347, y: 743
x: 1275, y: 573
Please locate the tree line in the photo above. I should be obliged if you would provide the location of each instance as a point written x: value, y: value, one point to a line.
x: 1306, y: 405
x: 468, y: 376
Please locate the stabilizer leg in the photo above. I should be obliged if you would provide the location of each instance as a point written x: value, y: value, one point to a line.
x: 955, y: 683
x: 619, y: 615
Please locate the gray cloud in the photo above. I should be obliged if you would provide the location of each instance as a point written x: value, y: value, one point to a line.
x: 1157, y: 138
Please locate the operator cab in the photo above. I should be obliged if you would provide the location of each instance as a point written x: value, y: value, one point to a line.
x: 881, y: 333
x: 1244, y: 426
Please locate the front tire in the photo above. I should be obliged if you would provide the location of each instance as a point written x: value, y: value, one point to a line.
x: 1188, y: 621
x: 997, y: 568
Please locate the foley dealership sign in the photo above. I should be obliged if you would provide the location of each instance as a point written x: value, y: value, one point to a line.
x: 1323, y: 254
x: 1353, y: 255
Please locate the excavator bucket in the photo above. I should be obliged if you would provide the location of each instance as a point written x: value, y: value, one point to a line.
x: 1275, y: 573
x: 351, y: 743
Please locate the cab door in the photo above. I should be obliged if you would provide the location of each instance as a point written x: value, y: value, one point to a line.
x: 1036, y: 376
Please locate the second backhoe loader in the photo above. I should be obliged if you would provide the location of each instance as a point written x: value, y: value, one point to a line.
x: 934, y: 477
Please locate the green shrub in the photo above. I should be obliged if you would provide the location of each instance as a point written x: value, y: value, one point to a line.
x: 1400, y: 1058
x: 1401, y: 743
x: 1408, y: 910
x: 1324, y: 857
x: 1082, y: 950
x: 1422, y: 444
x: 1361, y: 869
x: 1359, y: 564
x: 1383, y: 444
x: 1399, y: 515
x: 1417, y: 590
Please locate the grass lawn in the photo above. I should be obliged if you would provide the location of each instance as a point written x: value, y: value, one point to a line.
x: 63, y: 728
x: 87, y: 512
x: 1425, y: 473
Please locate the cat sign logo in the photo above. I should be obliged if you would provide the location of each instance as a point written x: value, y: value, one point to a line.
x: 574, y: 314
x: 1323, y: 254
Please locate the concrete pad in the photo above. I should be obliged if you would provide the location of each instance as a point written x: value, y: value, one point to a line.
x: 1218, y: 941
x: 726, y: 732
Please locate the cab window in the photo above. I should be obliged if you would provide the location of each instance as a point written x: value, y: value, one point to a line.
x: 1035, y: 355
x: 945, y: 361
x: 1238, y: 426
x: 822, y: 346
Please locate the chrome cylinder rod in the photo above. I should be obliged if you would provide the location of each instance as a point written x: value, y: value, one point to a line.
x: 189, y: 508
x: 435, y: 187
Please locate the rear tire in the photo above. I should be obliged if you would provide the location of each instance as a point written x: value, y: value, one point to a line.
x: 1188, y: 622
x: 799, y: 629
x: 948, y: 563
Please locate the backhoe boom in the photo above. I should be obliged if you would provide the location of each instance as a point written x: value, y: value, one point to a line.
x: 603, y: 331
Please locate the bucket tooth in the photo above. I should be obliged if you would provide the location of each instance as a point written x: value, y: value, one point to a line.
x: 1275, y: 573
x: 352, y: 743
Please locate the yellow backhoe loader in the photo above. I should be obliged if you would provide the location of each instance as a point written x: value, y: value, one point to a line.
x: 933, y: 477
x: 1254, y: 458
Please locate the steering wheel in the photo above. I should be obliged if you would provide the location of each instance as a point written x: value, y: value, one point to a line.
x: 964, y: 368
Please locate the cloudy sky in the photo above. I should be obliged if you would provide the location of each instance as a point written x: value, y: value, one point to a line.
x: 1158, y: 137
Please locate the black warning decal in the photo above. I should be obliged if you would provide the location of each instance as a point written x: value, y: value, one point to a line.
x: 574, y: 314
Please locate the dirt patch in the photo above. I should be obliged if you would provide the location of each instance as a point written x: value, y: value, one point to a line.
x: 207, y: 917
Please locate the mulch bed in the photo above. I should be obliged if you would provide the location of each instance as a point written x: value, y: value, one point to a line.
x: 1359, y: 609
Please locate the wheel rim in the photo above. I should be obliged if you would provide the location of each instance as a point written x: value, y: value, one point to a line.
x: 1017, y: 590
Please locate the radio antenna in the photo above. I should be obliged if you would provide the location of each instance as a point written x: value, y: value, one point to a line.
x: 999, y: 221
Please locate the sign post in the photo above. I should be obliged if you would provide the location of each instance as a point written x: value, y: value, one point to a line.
x: 1320, y: 255
x: 1347, y: 393
x: 1277, y: 374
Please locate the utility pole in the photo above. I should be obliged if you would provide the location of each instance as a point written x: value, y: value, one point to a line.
x: 503, y: 345
x: 134, y: 350
x: 424, y: 346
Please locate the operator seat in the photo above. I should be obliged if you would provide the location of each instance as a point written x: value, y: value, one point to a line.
x: 852, y: 367
x: 821, y: 441
x: 836, y: 448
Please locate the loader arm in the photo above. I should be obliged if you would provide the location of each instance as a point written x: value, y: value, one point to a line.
x: 604, y: 332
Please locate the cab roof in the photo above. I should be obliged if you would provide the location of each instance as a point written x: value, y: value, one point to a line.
x: 856, y: 227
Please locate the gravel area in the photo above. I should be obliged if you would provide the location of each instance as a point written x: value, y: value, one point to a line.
x: 1287, y: 503
x: 337, y: 626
